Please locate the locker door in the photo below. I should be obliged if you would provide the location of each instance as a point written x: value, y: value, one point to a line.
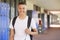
x: 4, y: 21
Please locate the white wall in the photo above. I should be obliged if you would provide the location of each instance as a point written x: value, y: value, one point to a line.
x: 29, y: 5
x: 42, y: 10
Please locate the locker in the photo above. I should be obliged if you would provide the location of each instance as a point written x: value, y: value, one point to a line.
x: 4, y: 21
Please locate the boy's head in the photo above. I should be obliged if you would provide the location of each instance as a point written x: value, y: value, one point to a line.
x: 22, y: 8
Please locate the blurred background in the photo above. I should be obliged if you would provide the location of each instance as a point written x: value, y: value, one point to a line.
x: 45, y: 12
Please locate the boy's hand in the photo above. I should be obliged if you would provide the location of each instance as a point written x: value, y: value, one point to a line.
x: 27, y: 31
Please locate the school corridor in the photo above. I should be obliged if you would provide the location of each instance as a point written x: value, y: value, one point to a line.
x: 46, y: 14
x: 50, y: 34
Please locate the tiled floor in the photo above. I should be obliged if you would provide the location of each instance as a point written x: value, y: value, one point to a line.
x: 50, y: 34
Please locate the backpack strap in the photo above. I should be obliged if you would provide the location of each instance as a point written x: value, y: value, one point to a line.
x: 28, y: 25
x: 13, y: 22
x: 29, y: 22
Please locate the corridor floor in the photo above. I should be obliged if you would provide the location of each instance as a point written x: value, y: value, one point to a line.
x: 50, y: 34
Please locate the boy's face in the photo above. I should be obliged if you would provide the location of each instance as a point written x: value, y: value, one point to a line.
x: 22, y: 9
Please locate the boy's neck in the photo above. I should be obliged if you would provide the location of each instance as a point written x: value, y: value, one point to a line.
x: 22, y: 16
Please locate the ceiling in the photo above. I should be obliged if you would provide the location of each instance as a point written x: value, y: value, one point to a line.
x: 48, y: 4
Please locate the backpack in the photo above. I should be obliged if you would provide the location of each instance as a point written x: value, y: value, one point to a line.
x: 28, y: 24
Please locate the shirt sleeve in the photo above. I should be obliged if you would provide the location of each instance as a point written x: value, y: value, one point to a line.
x: 11, y: 26
x: 33, y: 24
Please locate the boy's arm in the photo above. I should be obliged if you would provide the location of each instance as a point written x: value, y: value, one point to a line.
x: 11, y: 34
x: 35, y: 32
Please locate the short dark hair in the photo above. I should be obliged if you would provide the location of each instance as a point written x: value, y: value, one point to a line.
x: 21, y: 3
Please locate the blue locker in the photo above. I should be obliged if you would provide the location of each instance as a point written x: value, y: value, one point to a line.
x: 4, y: 21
